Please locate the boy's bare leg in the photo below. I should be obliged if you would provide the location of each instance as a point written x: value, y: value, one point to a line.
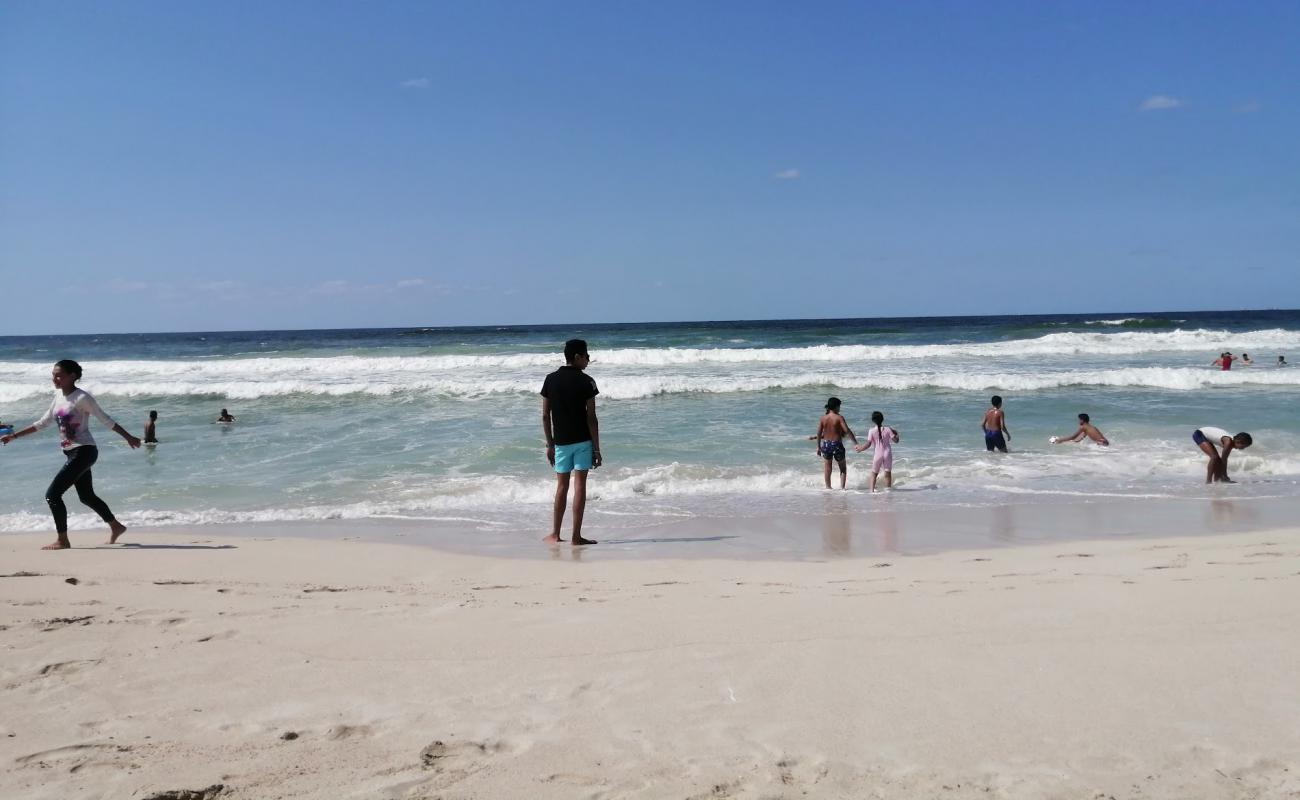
x: 826, y: 473
x: 1211, y: 468
x: 844, y: 474
x: 579, y: 505
x: 561, y: 500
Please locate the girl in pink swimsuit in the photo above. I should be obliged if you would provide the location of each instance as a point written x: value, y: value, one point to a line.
x: 882, y: 437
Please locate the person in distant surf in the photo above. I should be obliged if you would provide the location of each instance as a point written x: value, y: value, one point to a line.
x: 225, y: 416
x: 996, y: 433
x: 151, y: 429
x: 1086, y: 428
x: 572, y: 435
x: 1281, y: 361
x: 1245, y: 360
x: 1210, y: 440
x: 883, y: 438
x: 71, y: 411
x: 831, y: 430
x: 1224, y: 361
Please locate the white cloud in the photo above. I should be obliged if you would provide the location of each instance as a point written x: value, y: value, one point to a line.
x: 1249, y: 107
x: 332, y: 287
x: 1160, y: 102
x: 416, y: 83
x: 411, y: 283
x: 220, y: 286
x: 787, y: 175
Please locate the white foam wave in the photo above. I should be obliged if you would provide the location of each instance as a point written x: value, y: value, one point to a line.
x: 625, y: 387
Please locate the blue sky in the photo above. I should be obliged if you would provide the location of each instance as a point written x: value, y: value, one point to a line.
x: 185, y: 166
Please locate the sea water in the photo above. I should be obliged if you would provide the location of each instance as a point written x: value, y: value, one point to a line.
x: 701, y: 420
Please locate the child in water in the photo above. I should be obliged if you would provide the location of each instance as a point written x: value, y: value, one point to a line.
x: 1086, y: 428
x: 883, y: 439
x: 1207, y: 438
x: 831, y: 430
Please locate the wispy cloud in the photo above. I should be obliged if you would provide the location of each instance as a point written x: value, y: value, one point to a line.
x: 788, y: 175
x: 332, y: 287
x: 416, y: 83
x: 220, y: 286
x: 411, y: 283
x: 1249, y: 107
x: 1160, y: 102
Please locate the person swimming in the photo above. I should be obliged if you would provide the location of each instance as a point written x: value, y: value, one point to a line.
x: 1086, y: 428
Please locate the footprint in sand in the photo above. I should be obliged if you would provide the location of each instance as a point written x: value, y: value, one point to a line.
x: 456, y: 761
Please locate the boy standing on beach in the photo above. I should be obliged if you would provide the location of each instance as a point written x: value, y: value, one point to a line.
x: 996, y: 434
x: 831, y: 430
x: 572, y: 434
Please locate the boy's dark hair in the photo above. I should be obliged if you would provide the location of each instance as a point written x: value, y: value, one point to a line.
x: 1243, y: 440
x: 153, y: 415
x: 69, y: 366
x: 1084, y: 418
x: 833, y: 404
x: 997, y: 401
x: 574, y: 348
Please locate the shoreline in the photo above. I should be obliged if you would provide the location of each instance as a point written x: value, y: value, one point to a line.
x: 842, y: 527
x: 1158, y: 668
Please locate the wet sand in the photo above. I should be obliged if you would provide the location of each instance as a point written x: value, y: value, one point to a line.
x: 281, y: 667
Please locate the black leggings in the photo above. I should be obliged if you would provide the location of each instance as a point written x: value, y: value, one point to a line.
x: 76, y: 472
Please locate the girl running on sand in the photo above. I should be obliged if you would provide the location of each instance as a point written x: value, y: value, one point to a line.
x: 71, y: 410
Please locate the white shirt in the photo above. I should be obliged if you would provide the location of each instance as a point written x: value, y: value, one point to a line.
x: 1214, y: 434
x: 72, y: 413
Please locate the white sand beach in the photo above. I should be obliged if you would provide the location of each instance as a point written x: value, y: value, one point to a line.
x: 288, y: 668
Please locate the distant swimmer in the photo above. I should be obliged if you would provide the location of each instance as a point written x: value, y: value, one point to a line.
x: 1281, y: 361
x: 71, y: 410
x: 225, y: 416
x: 1245, y: 360
x: 151, y: 429
x: 1086, y: 428
x: 883, y: 438
x: 996, y: 433
x: 831, y: 430
x: 1224, y: 361
x: 1209, y: 439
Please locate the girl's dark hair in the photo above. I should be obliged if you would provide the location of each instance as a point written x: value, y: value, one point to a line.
x: 69, y: 366
x: 879, y: 419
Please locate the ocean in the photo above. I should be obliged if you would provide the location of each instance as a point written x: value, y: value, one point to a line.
x: 699, y: 420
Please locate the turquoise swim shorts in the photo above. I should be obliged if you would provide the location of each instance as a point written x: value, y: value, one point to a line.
x: 569, y: 457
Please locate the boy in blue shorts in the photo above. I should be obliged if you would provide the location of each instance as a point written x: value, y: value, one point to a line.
x: 572, y: 434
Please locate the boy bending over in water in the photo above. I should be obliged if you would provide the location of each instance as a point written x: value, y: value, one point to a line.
x: 1207, y: 438
x: 1086, y: 428
x: 831, y: 430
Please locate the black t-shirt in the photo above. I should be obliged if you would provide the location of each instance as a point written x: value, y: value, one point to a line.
x: 569, y: 389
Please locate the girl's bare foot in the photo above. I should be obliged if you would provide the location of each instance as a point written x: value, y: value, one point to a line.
x: 61, y: 544
x: 552, y: 539
x: 117, y: 529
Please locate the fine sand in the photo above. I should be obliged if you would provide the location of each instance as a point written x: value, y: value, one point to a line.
x: 250, y: 668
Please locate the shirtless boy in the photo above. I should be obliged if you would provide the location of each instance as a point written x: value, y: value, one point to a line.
x: 1086, y: 428
x: 996, y: 433
x: 831, y: 430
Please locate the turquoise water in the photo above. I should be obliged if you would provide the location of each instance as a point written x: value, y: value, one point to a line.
x: 698, y: 420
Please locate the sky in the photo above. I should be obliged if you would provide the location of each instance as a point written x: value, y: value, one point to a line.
x: 249, y: 165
